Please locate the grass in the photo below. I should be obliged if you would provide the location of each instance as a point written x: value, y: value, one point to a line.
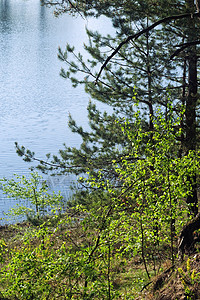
x: 66, y: 244
x: 128, y: 277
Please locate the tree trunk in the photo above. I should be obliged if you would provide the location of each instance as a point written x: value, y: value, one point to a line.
x: 190, y: 112
x: 186, y: 239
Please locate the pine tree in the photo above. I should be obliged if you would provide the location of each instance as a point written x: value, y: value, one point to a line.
x: 142, y: 67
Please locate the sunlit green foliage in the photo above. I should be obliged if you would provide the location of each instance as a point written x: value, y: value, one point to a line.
x: 34, y: 191
x: 86, y: 253
x: 140, y: 164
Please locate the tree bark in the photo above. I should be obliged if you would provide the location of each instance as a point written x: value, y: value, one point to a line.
x: 191, y: 101
x: 186, y: 239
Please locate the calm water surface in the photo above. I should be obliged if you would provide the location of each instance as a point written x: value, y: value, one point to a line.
x: 34, y: 100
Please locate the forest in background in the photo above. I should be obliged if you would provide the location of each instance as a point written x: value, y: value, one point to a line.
x: 133, y: 226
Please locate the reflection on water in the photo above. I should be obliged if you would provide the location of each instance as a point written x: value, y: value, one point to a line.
x: 34, y: 100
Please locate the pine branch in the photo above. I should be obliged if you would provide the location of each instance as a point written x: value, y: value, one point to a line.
x: 62, y: 3
x: 137, y: 35
x: 184, y: 46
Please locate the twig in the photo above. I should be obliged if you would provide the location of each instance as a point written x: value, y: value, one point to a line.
x: 146, y: 285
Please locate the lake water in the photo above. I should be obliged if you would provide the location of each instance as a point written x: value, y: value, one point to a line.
x: 34, y: 100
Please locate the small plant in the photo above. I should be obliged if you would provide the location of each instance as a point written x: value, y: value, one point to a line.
x: 3, y: 250
x: 35, y: 191
x: 188, y: 279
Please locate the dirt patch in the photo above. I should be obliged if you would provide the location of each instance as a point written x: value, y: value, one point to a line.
x: 182, y: 283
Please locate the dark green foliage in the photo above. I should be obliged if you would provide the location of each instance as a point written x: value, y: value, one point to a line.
x: 141, y: 72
